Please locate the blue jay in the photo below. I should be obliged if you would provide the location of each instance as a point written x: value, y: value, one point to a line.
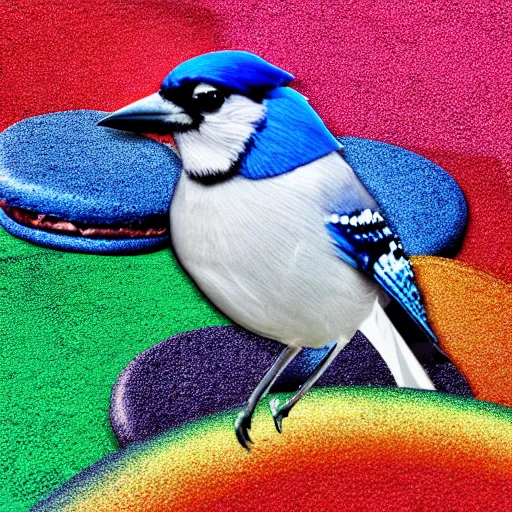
x: 272, y: 224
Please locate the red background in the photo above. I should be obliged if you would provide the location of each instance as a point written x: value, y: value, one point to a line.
x: 430, y: 76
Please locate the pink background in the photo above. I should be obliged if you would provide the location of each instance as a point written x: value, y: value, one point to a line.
x: 430, y: 76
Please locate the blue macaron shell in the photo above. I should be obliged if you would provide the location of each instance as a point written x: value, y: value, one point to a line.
x: 420, y: 200
x: 64, y: 164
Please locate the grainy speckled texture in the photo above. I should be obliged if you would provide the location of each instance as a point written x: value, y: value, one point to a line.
x: 69, y: 323
x: 65, y: 165
x: 422, y: 202
x: 431, y: 76
x: 203, y: 372
x: 471, y: 313
x: 349, y: 449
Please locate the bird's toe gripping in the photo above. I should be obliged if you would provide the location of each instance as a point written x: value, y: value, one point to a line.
x: 242, y: 427
x: 278, y: 413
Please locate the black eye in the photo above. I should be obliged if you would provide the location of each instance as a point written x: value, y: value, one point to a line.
x: 208, y: 101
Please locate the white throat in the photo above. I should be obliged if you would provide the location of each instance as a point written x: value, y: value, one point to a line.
x: 221, y: 138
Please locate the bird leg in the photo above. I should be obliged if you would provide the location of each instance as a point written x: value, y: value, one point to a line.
x: 243, y: 421
x: 280, y: 412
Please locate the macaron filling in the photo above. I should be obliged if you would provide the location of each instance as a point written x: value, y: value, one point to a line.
x: 156, y: 226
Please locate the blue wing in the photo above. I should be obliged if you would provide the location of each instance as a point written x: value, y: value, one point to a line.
x: 364, y: 240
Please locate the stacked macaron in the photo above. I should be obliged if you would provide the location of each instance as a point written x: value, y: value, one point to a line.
x: 67, y: 184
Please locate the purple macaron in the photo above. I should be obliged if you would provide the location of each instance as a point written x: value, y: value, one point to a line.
x: 209, y: 370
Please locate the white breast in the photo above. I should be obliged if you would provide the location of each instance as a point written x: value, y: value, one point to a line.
x: 260, y: 251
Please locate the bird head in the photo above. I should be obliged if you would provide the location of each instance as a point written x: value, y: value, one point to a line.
x: 229, y: 112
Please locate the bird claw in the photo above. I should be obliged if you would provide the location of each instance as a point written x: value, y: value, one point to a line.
x: 278, y: 413
x: 242, y: 427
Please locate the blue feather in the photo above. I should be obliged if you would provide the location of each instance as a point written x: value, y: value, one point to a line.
x: 364, y: 240
x: 239, y: 71
x: 291, y: 135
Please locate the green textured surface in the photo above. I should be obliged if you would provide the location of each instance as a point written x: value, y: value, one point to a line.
x: 69, y: 323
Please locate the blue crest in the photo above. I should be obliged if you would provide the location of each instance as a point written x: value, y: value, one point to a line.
x: 236, y: 70
x: 291, y: 135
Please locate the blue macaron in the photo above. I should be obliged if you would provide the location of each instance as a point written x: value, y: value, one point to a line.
x: 67, y: 184
x: 420, y: 200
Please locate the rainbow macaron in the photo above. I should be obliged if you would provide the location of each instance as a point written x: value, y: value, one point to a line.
x: 354, y: 449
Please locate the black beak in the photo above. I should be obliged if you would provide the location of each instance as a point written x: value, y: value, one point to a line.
x: 152, y: 114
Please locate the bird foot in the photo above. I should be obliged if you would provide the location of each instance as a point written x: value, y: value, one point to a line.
x: 242, y: 427
x: 278, y: 413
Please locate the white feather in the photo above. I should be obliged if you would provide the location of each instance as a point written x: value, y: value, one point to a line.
x: 402, y: 363
x: 221, y: 138
x: 260, y: 251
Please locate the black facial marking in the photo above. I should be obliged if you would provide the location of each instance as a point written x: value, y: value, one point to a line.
x: 179, y: 95
x: 196, y: 105
x: 208, y: 101
x: 215, y: 178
